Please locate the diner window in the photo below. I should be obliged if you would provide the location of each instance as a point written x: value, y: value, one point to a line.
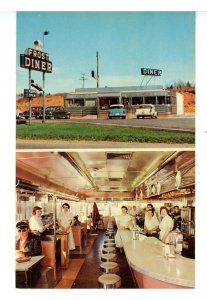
x: 161, y: 100
x: 79, y: 102
x: 125, y: 101
x: 90, y: 102
x: 168, y: 100
x: 69, y: 102
x: 150, y: 100
x: 106, y: 102
x: 137, y: 100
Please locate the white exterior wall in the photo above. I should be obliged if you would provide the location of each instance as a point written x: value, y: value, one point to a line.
x: 179, y: 104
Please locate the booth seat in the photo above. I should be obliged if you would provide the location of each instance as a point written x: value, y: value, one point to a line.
x: 78, y: 235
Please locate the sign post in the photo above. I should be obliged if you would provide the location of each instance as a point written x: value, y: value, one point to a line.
x: 30, y: 105
x: 34, y: 59
x: 150, y: 72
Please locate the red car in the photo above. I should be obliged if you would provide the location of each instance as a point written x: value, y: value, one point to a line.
x: 35, y: 112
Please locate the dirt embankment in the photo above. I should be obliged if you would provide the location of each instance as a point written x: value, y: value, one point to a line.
x: 58, y: 99
x: 189, y: 99
x: 23, y: 104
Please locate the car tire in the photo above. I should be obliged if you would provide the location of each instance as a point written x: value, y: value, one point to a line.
x: 110, y: 117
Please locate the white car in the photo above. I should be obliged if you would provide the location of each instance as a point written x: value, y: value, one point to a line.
x: 146, y: 110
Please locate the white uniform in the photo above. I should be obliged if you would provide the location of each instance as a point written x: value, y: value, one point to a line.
x: 122, y: 221
x: 36, y: 224
x: 151, y: 223
x: 65, y: 220
x: 167, y: 222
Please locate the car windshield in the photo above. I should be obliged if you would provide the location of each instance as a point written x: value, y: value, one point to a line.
x: 116, y: 107
x: 145, y: 106
x: 50, y: 108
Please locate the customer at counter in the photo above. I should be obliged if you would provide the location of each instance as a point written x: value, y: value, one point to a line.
x: 133, y: 211
x: 166, y: 225
x: 35, y: 223
x: 65, y: 221
x: 123, y: 222
x: 151, y: 223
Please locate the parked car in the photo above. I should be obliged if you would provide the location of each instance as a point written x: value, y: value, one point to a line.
x: 20, y: 119
x: 117, y: 110
x: 56, y: 112
x: 35, y: 112
x: 146, y: 110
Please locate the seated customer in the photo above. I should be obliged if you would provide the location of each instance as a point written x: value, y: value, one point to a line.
x: 151, y: 223
x: 76, y: 222
x: 28, y: 244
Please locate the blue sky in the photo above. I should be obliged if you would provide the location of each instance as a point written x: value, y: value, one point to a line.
x: 126, y: 42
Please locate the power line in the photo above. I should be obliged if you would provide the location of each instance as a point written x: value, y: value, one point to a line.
x: 83, y: 79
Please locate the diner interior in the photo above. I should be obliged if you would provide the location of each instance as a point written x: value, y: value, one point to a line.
x: 97, y: 184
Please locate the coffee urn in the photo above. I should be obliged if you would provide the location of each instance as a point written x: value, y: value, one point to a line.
x: 188, y: 230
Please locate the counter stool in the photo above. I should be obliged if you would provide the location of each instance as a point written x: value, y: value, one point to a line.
x: 110, y: 281
x: 106, y: 245
x: 108, y: 257
x: 110, y: 234
x: 109, y: 267
x: 109, y: 241
x: 109, y: 250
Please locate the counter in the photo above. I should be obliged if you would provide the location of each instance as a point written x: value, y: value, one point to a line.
x: 151, y: 268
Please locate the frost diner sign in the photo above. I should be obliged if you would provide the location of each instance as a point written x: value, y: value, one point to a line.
x: 36, y: 60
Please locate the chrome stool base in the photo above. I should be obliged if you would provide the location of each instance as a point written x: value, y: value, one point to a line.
x: 110, y: 281
x: 109, y: 267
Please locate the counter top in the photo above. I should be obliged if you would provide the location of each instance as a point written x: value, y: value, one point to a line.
x: 146, y: 256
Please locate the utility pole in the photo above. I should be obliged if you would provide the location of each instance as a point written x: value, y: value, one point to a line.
x: 83, y: 79
x: 43, y: 78
x: 97, y: 69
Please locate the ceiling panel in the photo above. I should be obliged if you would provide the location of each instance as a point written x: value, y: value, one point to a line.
x: 97, y: 171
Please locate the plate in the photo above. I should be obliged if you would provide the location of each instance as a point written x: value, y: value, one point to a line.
x: 23, y: 259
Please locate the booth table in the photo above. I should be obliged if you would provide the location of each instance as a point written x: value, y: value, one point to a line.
x: 151, y: 268
x: 27, y: 267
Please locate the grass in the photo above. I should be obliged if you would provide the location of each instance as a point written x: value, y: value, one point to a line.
x: 88, y: 132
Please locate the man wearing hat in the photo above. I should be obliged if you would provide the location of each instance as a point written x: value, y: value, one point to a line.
x: 28, y: 244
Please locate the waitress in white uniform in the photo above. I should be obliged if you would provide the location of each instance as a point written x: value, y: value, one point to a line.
x: 35, y: 222
x: 166, y: 225
x: 65, y: 221
x: 151, y: 222
x: 123, y: 222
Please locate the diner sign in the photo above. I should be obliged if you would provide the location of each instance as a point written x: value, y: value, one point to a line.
x: 36, y: 60
x: 151, y: 72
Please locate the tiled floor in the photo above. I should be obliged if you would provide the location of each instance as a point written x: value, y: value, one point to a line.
x: 84, y: 269
x: 75, y: 263
x: 90, y: 270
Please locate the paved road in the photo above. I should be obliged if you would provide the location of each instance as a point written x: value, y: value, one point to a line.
x: 45, y: 144
x: 185, y: 124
